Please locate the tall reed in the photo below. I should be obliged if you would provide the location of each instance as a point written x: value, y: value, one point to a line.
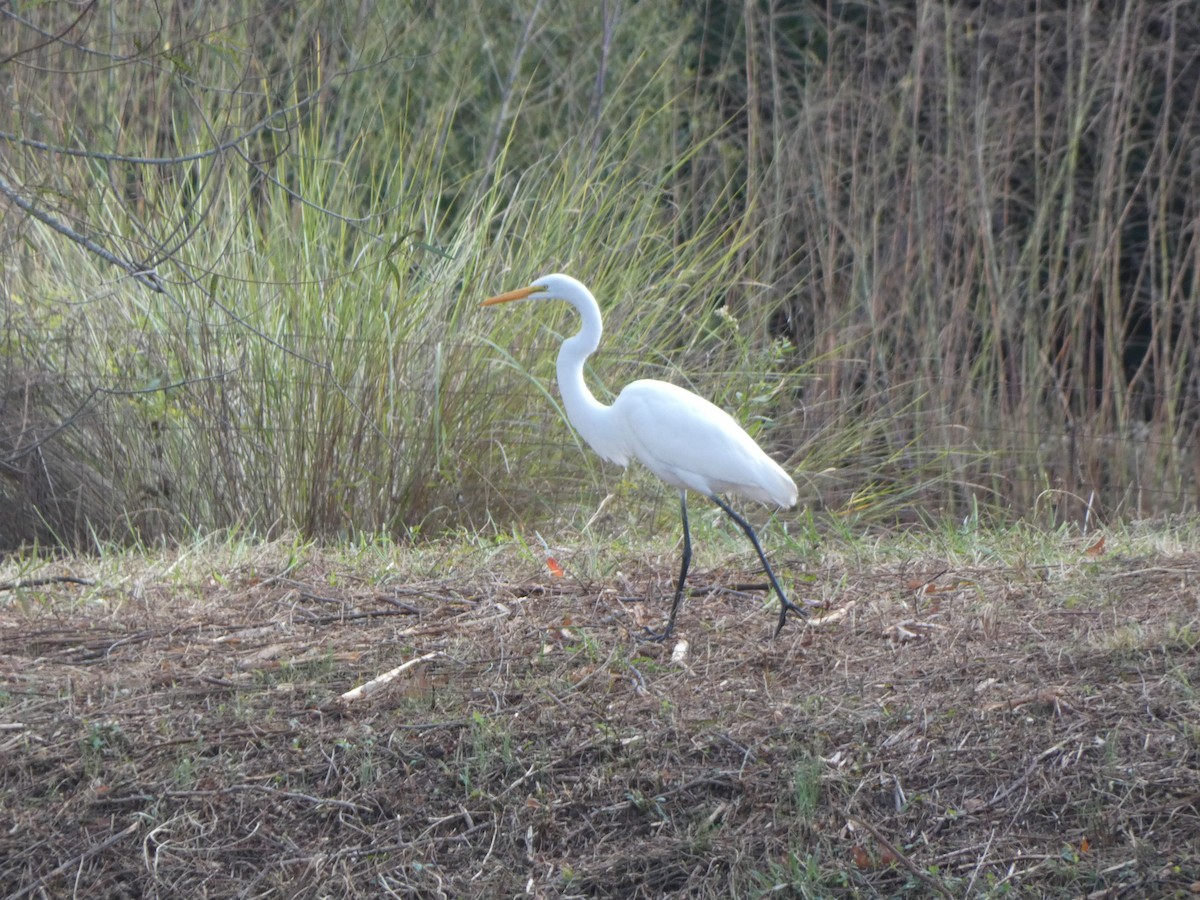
x: 940, y: 259
x: 984, y: 222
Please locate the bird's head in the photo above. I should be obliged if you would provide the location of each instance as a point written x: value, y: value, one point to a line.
x: 548, y: 287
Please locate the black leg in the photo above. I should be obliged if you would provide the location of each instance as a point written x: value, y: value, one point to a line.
x: 784, y: 603
x: 683, y: 570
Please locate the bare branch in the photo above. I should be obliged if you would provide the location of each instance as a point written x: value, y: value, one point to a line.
x: 146, y: 277
x: 49, y: 38
x: 223, y: 147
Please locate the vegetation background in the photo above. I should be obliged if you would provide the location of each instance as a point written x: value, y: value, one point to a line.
x: 940, y: 257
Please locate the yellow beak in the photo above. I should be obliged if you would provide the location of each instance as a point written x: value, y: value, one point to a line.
x: 510, y: 296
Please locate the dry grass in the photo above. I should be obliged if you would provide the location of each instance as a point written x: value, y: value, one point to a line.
x: 943, y: 728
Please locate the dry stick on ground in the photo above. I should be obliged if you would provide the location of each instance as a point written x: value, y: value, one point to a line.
x: 1020, y: 780
x: 75, y: 861
x: 375, y: 683
x: 908, y: 863
x: 354, y: 616
x: 42, y: 582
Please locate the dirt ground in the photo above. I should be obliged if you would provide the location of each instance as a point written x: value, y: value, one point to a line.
x: 936, y: 731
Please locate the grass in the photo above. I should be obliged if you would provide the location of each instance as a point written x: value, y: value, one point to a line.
x: 927, y: 296
x: 939, y: 260
x: 947, y: 723
x: 318, y: 361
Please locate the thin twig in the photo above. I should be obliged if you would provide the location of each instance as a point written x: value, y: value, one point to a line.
x: 904, y: 860
x: 506, y: 93
x: 375, y: 683
x: 49, y: 37
x: 75, y: 861
x: 354, y: 616
x: 42, y: 582
x: 146, y: 277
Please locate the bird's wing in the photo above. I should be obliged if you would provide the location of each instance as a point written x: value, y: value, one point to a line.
x: 690, y: 443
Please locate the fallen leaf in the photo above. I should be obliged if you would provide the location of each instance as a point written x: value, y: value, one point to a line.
x: 956, y: 585
x: 1097, y: 548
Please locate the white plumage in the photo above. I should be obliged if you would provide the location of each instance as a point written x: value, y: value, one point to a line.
x: 686, y: 441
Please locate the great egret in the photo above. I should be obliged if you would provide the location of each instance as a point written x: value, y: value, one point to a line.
x: 682, y: 438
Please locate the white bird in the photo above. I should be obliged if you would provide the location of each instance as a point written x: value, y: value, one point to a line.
x: 682, y: 438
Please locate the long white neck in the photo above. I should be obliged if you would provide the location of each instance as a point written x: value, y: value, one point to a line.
x: 589, y: 416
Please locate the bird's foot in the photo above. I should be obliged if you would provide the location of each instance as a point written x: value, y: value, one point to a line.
x: 786, y: 606
x: 801, y: 610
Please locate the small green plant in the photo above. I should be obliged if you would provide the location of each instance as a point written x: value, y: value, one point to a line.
x: 797, y: 875
x: 101, y: 742
x: 806, y: 786
x: 104, y: 737
x: 184, y: 773
x: 360, y: 755
x: 486, y: 753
